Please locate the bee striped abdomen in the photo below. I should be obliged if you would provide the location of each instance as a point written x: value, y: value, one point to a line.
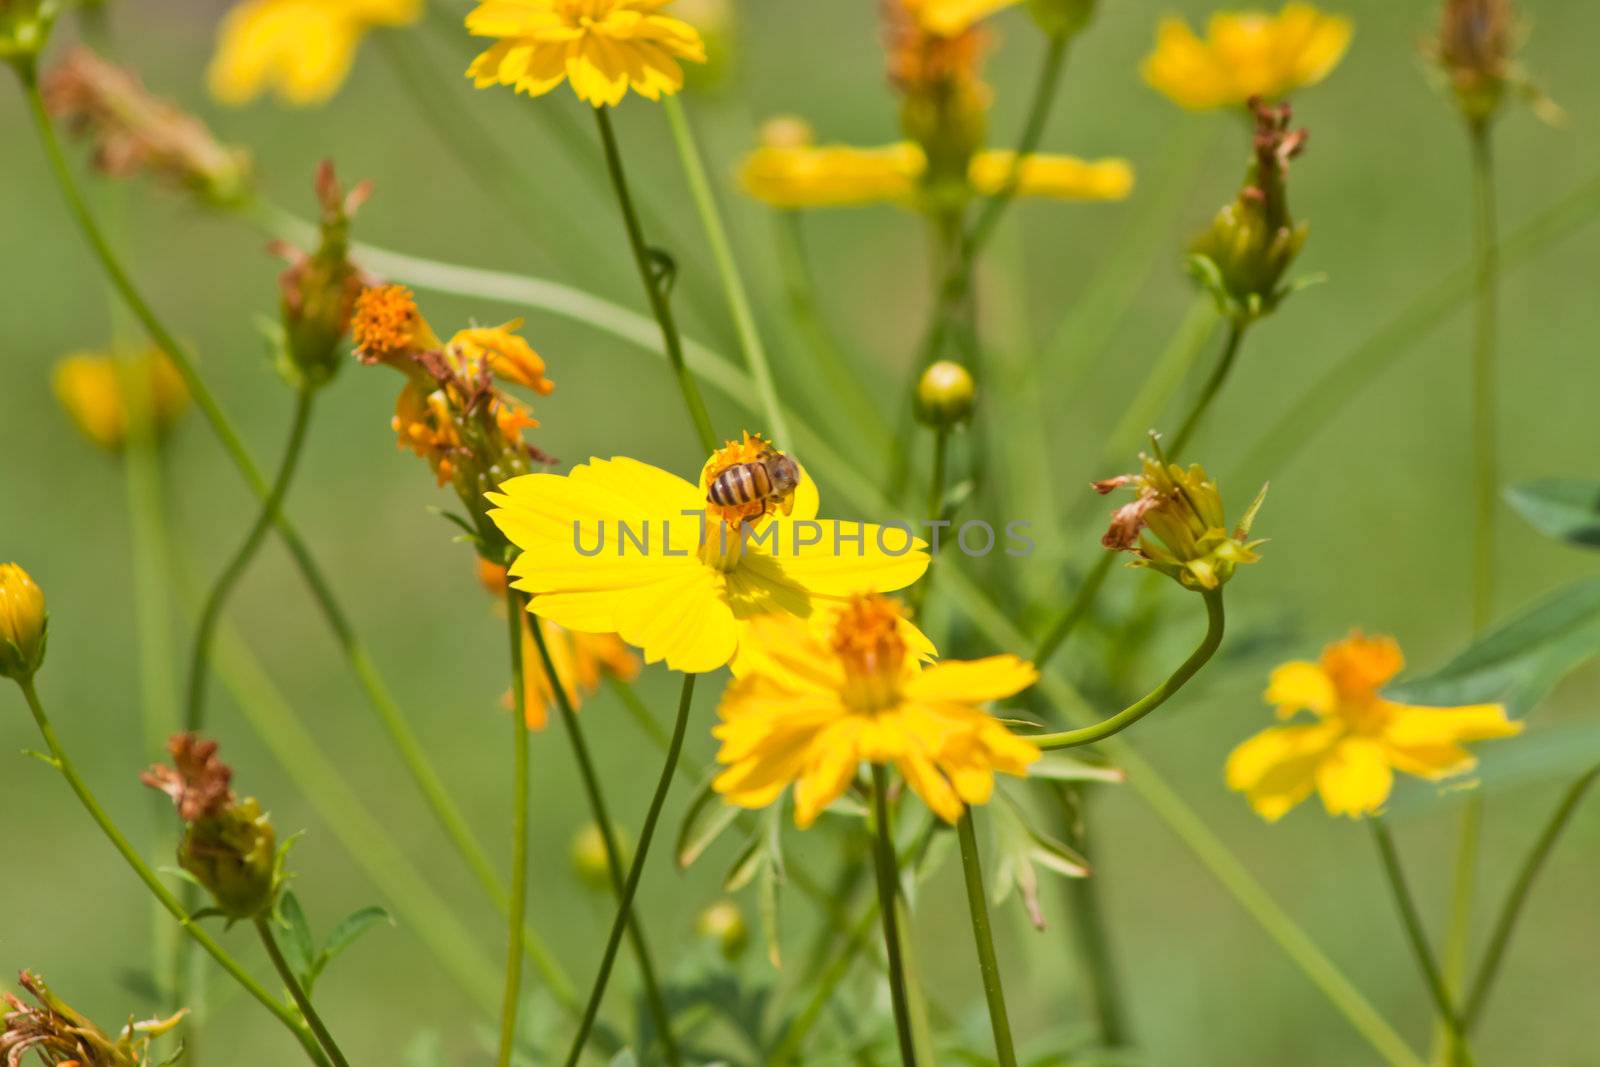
x: 743, y: 484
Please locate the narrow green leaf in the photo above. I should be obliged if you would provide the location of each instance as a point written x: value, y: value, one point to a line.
x: 1060, y: 767
x: 708, y: 816
x: 350, y: 928
x: 1520, y: 661
x: 751, y: 857
x: 1567, y: 509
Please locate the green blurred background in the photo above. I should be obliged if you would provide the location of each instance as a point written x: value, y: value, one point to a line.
x: 1368, y: 516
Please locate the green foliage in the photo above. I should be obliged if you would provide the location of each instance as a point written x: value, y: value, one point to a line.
x: 1567, y: 509
x: 299, y: 945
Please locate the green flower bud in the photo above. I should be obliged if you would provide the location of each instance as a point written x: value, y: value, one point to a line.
x: 723, y: 924
x: 234, y: 854
x: 589, y: 860
x: 22, y: 624
x: 24, y: 29
x: 319, y: 291
x: 945, y: 395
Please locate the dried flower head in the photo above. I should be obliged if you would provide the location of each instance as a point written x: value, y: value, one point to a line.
x: 228, y: 844
x: 52, y: 1030
x: 1176, y: 524
x: 319, y: 291
x: 1243, y: 257
x: 133, y: 130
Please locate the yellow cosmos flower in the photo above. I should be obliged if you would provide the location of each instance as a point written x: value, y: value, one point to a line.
x: 950, y: 17
x: 818, y: 706
x: 603, y: 47
x: 1349, y: 755
x: 803, y: 175
x: 618, y: 546
x: 96, y: 391
x: 1245, y: 54
x: 300, y: 49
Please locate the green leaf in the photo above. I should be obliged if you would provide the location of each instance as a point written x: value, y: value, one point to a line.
x: 1567, y: 509
x: 350, y: 928
x: 1060, y: 767
x: 708, y: 816
x: 297, y: 944
x: 745, y: 867
x: 1520, y: 661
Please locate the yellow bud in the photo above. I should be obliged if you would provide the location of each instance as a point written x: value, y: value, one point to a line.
x: 723, y: 924
x: 589, y: 858
x: 22, y: 623
x: 99, y: 393
x: 945, y: 395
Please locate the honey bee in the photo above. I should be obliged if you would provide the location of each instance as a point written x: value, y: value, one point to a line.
x: 769, y: 480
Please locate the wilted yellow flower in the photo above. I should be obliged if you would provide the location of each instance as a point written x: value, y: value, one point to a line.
x: 618, y: 546
x: 1245, y: 54
x: 801, y: 176
x: 1349, y: 755
x: 59, y: 1034
x: 22, y: 623
x: 98, y: 391
x: 300, y: 49
x: 603, y: 47
x: 319, y: 290
x: 815, y: 707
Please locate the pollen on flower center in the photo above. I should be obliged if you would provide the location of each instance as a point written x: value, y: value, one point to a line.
x: 867, y: 640
x: 385, y: 322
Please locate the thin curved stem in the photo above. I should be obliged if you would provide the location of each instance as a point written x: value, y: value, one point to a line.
x: 744, y: 319
x: 511, y: 999
x: 63, y: 763
x: 297, y: 992
x: 1510, y: 911
x: 1485, y: 429
x: 655, y: 285
x: 1418, y: 938
x: 888, y: 892
x: 194, y: 704
x: 1083, y: 600
x: 1089, y: 735
x: 635, y: 872
x: 988, y: 964
x: 601, y: 814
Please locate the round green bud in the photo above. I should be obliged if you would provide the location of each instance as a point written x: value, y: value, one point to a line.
x: 723, y: 924
x: 945, y: 395
x: 589, y: 859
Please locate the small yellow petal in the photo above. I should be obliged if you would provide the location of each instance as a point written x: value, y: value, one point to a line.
x: 1355, y: 778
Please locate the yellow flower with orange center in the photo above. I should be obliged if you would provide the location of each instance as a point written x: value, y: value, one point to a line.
x: 1245, y: 54
x: 814, y: 707
x: 300, y: 49
x: 602, y: 47
x: 99, y: 391
x: 618, y: 546
x: 1349, y: 755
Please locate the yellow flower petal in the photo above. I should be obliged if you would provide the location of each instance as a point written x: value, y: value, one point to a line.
x: 1355, y: 778
x: 973, y: 681
x: 1059, y: 177
x: 838, y: 558
x: 1301, y: 686
x: 1412, y: 726
x: 800, y: 176
x: 1276, y: 769
x: 1245, y: 54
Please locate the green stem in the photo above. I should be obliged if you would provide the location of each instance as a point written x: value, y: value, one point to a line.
x: 284, y: 1014
x: 654, y: 285
x: 1511, y: 910
x: 1485, y: 429
x: 635, y: 872
x: 755, y: 353
x: 988, y: 965
x: 394, y: 723
x: 1418, y: 938
x: 601, y: 814
x: 194, y: 706
x: 1083, y: 600
x: 857, y: 942
x: 1089, y: 735
x: 1087, y: 915
x: 918, y: 594
x: 888, y: 893
x: 512, y: 997
x: 297, y: 992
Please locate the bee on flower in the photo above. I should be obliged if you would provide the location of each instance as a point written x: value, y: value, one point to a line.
x: 1349, y: 754
x: 452, y: 411
x: 618, y: 546
x: 108, y: 396
x: 816, y: 703
x: 1244, y: 55
x: 302, y: 50
x: 602, y: 48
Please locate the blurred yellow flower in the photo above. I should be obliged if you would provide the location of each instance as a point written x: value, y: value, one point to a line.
x: 618, y: 546
x: 1349, y: 755
x: 300, y: 49
x: 815, y: 707
x: 97, y: 391
x: 1245, y: 54
x: 801, y: 175
x: 603, y: 47
x: 950, y: 17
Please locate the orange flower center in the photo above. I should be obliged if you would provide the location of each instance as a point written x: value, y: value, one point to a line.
x: 386, y: 322
x: 867, y: 641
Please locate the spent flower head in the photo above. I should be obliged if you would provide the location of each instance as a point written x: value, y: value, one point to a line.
x: 1476, y: 52
x: 24, y: 624
x: 109, y: 397
x: 1245, y: 54
x: 318, y: 292
x: 56, y: 1033
x: 602, y: 48
x: 133, y: 130
x: 1359, y: 739
x: 1176, y: 524
x: 228, y: 844
x: 302, y: 50
x: 1241, y: 259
